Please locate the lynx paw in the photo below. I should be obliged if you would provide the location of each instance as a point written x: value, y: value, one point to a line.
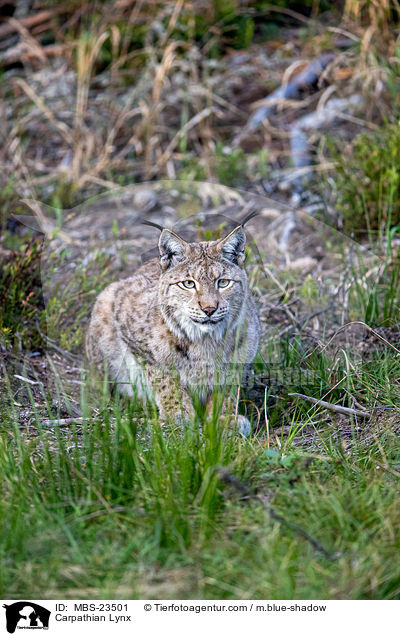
x: 243, y: 426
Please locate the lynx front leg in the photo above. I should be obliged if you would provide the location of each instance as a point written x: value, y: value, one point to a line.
x: 237, y: 422
x: 172, y: 400
x: 227, y: 387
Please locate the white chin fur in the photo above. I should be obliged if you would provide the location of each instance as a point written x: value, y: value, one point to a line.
x: 196, y: 331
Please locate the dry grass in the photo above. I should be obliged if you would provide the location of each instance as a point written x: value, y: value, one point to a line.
x: 142, y: 91
x: 139, y: 96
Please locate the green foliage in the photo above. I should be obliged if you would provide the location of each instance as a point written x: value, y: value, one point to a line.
x: 223, y: 21
x: 116, y: 491
x: 230, y: 23
x: 230, y: 164
x: 239, y: 31
x: 206, y: 234
x: 193, y: 169
x: 9, y: 204
x: 368, y: 181
x: 69, y: 304
x: 309, y: 292
x: 21, y: 300
x: 125, y: 494
x: 64, y: 193
x: 283, y: 470
x: 377, y: 298
x: 227, y: 165
x: 134, y: 38
x: 304, y: 6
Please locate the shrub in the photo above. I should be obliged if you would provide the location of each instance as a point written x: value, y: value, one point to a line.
x: 368, y: 181
x: 21, y: 298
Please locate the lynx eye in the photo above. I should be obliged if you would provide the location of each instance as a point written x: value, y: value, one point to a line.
x: 187, y: 284
x: 223, y: 283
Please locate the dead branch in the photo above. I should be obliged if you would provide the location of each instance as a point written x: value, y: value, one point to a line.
x: 20, y: 53
x: 33, y: 20
x: 333, y: 407
x: 302, y: 128
x: 67, y: 421
x: 306, y: 79
x: 227, y: 478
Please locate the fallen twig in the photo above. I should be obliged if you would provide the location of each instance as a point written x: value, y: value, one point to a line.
x: 20, y: 53
x: 30, y: 21
x: 333, y: 407
x: 301, y: 129
x: 52, y: 345
x: 302, y: 323
x: 228, y: 478
x: 21, y: 377
x: 61, y: 422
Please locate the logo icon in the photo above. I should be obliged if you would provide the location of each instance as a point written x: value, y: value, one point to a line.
x: 26, y: 615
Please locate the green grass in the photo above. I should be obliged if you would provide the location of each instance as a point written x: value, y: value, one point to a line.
x: 367, y: 181
x: 120, y: 508
x: 376, y: 291
x: 21, y: 301
x: 115, y: 506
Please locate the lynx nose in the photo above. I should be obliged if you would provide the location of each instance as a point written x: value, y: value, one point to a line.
x: 209, y: 310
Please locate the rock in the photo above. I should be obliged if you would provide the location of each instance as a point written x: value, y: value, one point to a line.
x: 145, y: 200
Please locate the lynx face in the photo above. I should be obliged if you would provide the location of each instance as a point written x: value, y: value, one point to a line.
x: 203, y: 286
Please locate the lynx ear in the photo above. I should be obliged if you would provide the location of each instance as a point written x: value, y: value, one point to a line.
x: 172, y: 249
x: 232, y: 246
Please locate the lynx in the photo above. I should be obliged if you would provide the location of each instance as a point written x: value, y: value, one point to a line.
x: 178, y: 326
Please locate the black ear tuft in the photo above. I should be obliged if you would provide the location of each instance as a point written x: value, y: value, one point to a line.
x: 159, y: 227
x: 249, y: 216
x: 232, y: 246
x: 172, y: 249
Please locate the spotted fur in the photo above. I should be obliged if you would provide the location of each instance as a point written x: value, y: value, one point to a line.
x: 179, y: 325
